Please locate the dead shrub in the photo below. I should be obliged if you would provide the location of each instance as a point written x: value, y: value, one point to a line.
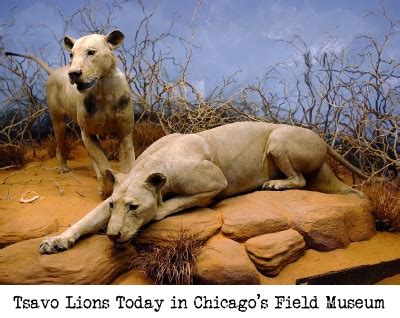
x: 386, y: 205
x: 110, y: 148
x: 201, y: 117
x: 50, y: 145
x: 145, y: 133
x: 12, y: 157
x: 171, y: 262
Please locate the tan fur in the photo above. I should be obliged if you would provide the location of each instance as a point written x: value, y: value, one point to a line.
x: 182, y: 171
x: 98, y: 100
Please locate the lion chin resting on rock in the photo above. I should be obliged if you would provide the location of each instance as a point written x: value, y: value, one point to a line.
x: 182, y: 171
x: 94, y: 93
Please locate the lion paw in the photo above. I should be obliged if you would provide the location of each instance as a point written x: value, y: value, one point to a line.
x: 55, y: 244
x: 276, y: 185
x: 63, y: 169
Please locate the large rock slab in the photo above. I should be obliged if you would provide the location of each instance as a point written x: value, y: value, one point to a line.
x: 323, y: 229
x: 18, y: 226
x: 248, y: 216
x: 133, y: 277
x: 326, y: 221
x: 94, y: 260
x: 200, y: 223
x: 224, y: 261
x: 272, y: 252
x: 359, y: 220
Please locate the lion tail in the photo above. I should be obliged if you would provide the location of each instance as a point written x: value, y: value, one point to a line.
x: 347, y: 164
x: 42, y: 63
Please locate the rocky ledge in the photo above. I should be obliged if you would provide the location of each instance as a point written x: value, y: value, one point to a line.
x: 244, y: 237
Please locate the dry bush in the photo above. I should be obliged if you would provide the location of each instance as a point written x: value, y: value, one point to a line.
x: 386, y: 205
x: 50, y: 145
x: 12, y: 157
x: 202, y: 117
x: 350, y: 97
x: 144, y: 134
x: 110, y: 148
x: 169, y: 263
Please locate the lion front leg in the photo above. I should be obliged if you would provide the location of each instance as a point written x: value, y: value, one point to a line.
x: 182, y: 202
x: 202, y: 181
x: 99, y: 159
x: 126, y: 153
x: 91, y: 223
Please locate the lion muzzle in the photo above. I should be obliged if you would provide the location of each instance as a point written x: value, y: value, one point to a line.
x: 81, y: 86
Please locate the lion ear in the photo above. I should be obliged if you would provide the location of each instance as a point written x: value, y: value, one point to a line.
x: 115, y: 38
x: 156, y: 180
x: 69, y: 43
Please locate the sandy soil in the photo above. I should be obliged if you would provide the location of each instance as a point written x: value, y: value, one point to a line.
x: 70, y: 196
x: 66, y: 196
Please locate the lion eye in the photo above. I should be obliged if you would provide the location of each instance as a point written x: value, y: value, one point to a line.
x: 133, y: 207
x: 111, y: 205
x: 91, y: 52
x: 71, y: 56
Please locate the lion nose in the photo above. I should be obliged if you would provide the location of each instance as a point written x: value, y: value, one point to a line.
x: 114, y: 236
x: 74, y: 75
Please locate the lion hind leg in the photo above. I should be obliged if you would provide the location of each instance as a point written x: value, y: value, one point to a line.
x: 294, y: 151
x: 295, y: 179
x: 60, y: 126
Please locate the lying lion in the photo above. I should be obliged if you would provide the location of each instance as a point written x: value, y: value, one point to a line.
x: 182, y: 171
x: 94, y: 93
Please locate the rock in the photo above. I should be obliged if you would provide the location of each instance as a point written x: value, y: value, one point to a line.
x: 201, y: 223
x: 261, y: 219
x: 94, y: 260
x: 326, y: 221
x: 272, y: 252
x: 323, y: 229
x: 359, y: 221
x: 17, y: 226
x: 224, y: 261
x: 248, y: 216
x: 133, y: 277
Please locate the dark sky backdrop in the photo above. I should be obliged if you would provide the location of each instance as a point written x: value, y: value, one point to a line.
x: 230, y: 34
